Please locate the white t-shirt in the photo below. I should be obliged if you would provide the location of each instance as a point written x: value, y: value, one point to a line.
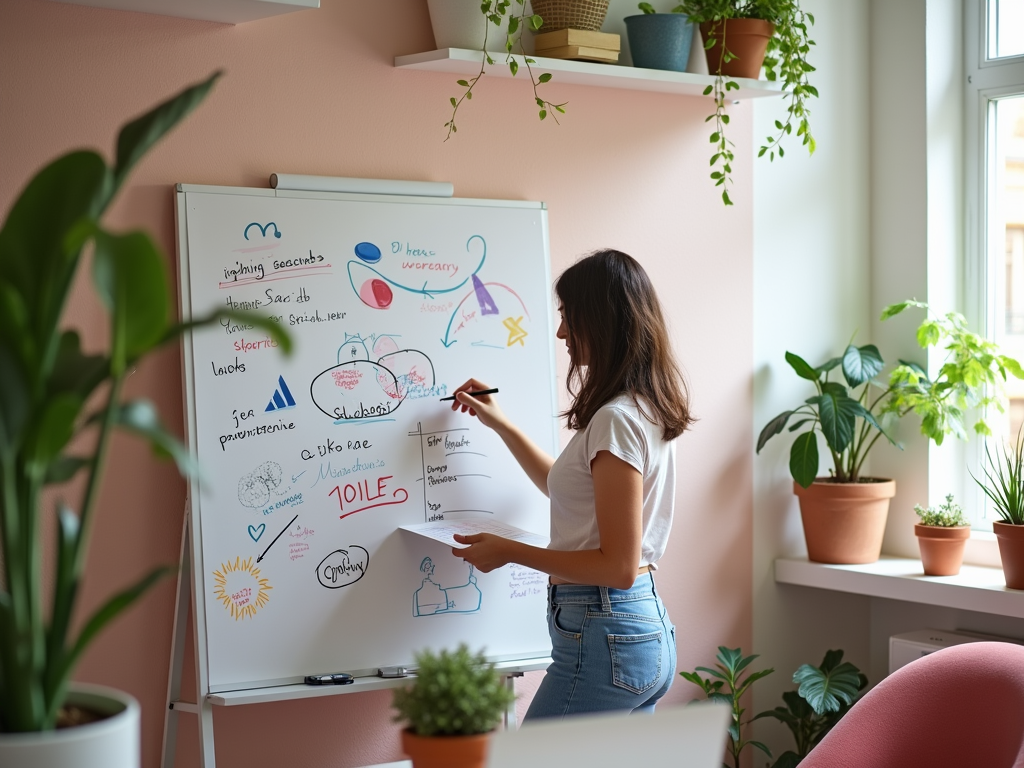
x: 619, y: 428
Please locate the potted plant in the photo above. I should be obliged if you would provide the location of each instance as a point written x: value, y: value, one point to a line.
x: 58, y: 411
x: 825, y: 694
x: 511, y: 23
x: 942, y: 535
x: 659, y: 40
x: 1005, y: 488
x: 739, y: 36
x: 844, y: 514
x: 726, y: 683
x: 454, y: 703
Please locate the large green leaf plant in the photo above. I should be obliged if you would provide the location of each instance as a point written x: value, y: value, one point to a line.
x: 824, y: 695
x: 854, y: 413
x: 60, y: 405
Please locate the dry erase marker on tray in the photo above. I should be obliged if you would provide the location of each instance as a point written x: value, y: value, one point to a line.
x: 338, y: 678
x: 474, y: 394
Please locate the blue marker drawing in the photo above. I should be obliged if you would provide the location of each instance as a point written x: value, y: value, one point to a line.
x: 424, y: 291
x: 282, y: 397
x: 262, y: 228
x: 431, y: 598
x: 368, y: 252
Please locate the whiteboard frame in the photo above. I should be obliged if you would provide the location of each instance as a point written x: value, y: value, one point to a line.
x: 194, y: 515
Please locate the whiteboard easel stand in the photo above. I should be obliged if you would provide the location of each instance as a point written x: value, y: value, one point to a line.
x: 203, y: 707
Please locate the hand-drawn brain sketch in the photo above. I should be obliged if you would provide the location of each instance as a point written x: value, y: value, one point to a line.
x: 254, y: 489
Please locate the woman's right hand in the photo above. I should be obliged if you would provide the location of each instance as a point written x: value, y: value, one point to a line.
x: 484, y: 407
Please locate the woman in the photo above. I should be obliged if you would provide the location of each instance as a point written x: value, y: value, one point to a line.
x: 612, y: 492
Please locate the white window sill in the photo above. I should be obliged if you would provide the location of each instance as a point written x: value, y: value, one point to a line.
x: 976, y: 588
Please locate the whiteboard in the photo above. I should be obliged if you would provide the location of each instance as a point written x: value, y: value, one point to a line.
x: 310, y: 463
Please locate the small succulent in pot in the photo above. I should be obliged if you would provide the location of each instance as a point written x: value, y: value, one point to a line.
x: 455, y: 693
x: 947, y: 515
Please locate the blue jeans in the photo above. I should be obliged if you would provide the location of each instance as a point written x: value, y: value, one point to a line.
x: 612, y: 649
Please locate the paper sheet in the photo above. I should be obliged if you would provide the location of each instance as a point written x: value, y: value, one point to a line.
x: 445, y: 530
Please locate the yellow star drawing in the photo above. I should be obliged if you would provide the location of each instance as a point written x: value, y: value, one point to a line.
x: 515, y: 333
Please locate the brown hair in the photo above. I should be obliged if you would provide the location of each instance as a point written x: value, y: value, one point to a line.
x: 612, y: 312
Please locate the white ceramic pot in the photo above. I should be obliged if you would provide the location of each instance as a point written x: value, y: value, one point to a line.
x: 459, y: 24
x: 109, y: 743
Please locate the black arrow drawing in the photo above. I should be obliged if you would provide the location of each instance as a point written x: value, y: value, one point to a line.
x: 258, y: 559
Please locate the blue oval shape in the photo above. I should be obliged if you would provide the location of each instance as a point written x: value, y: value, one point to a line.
x: 368, y: 252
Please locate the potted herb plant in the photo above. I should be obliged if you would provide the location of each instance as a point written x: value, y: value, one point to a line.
x: 825, y: 694
x: 942, y: 535
x: 1005, y: 488
x: 659, y: 40
x: 59, y: 409
x: 844, y: 514
x: 450, y: 709
x: 739, y: 37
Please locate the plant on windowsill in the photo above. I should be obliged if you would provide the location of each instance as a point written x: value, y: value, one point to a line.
x: 455, y: 702
x: 1005, y: 488
x: 825, y: 694
x: 942, y: 535
x: 853, y: 416
x: 740, y: 35
x: 501, y: 13
x: 59, y: 409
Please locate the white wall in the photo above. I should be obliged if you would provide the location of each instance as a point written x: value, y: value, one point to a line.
x: 812, y: 270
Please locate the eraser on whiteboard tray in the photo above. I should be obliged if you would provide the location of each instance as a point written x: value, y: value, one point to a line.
x: 392, y: 672
x: 338, y: 678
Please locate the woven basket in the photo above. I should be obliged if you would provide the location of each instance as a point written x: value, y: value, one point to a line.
x: 571, y: 14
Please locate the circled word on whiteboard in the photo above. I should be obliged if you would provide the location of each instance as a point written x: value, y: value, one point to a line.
x: 343, y: 567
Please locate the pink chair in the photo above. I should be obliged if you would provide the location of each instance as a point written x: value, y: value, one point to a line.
x: 961, y: 707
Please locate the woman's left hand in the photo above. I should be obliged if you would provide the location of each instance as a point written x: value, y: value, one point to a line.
x: 485, y: 551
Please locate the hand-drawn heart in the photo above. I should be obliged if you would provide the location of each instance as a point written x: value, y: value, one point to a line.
x: 255, y: 531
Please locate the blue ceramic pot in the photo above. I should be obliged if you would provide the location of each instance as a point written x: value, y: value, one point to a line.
x: 660, y: 40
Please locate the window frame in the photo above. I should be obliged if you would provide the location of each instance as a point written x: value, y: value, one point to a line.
x: 985, y: 81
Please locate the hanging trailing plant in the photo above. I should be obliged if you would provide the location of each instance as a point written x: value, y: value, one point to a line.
x: 496, y: 12
x: 785, y: 62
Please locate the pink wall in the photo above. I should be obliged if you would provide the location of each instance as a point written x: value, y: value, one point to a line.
x: 315, y: 92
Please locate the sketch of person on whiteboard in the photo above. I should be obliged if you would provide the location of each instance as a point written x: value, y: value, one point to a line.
x: 431, y: 598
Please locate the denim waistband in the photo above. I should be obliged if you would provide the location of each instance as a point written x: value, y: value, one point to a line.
x: 564, y: 594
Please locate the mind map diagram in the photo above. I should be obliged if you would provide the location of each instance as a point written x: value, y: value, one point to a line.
x: 372, y: 378
x: 484, y: 314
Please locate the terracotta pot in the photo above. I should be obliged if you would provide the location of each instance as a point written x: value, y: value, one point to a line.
x: 746, y: 39
x: 844, y: 522
x: 446, y: 751
x: 1011, y: 552
x: 942, y: 548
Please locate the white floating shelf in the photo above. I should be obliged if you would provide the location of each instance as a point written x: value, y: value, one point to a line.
x: 223, y: 11
x: 359, y: 685
x: 976, y: 588
x: 460, y: 61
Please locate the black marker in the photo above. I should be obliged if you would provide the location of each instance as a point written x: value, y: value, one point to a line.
x: 474, y: 394
x: 338, y: 678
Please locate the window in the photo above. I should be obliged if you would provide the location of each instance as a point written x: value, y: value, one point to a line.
x: 1005, y: 28
x: 994, y: 68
